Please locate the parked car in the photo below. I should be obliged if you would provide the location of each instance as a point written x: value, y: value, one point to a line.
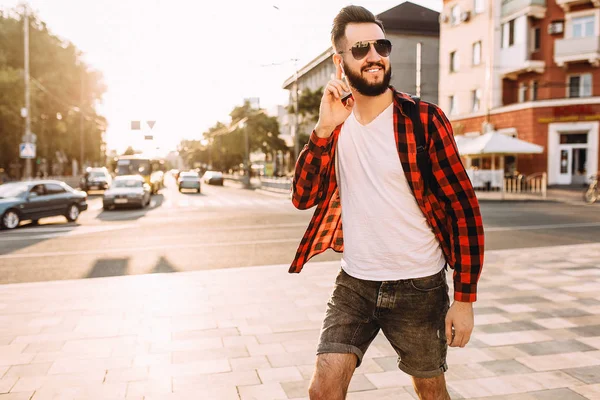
x: 213, y: 178
x: 189, y: 180
x: 96, y: 179
x: 127, y: 190
x: 34, y: 200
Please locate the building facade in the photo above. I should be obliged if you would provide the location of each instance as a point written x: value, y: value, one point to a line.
x: 414, y: 33
x: 540, y: 79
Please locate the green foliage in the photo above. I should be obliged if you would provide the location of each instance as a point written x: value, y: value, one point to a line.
x: 225, y: 145
x: 56, y: 79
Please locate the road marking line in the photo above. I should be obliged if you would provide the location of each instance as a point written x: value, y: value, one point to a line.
x: 128, y: 250
x: 539, y: 227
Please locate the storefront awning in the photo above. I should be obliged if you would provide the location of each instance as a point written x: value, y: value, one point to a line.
x: 494, y: 143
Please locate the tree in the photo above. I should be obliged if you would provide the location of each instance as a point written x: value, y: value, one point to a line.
x: 129, y: 151
x: 308, y: 109
x: 57, y: 76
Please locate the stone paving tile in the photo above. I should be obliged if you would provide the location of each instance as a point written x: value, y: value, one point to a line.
x: 587, y: 331
x: 34, y: 383
x: 7, y: 383
x: 553, y: 347
x: 285, y: 374
x: 182, y: 357
x: 591, y: 392
x: 360, y: 383
x: 562, y: 394
x: 290, y: 359
x: 587, y: 375
x: 381, y: 394
x: 271, y: 391
x: 295, y: 390
x: 389, y: 379
x: 508, y: 327
x: 506, y: 367
x: 29, y: 370
x: 249, y: 363
x: 150, y: 387
x: 560, y: 361
x: 17, y: 396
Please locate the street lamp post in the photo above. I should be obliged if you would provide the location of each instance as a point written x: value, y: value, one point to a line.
x: 28, y: 139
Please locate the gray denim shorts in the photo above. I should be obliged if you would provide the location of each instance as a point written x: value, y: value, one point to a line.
x: 411, y: 313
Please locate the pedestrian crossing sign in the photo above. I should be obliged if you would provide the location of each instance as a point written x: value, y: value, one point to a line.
x: 27, y: 150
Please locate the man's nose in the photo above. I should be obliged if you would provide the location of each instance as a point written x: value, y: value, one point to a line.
x: 373, y: 55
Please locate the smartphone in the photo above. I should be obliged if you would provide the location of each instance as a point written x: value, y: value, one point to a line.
x: 345, y: 95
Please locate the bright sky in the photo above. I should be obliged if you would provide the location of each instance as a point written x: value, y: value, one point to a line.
x: 188, y: 64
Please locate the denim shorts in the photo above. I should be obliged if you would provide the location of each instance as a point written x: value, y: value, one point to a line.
x: 411, y: 313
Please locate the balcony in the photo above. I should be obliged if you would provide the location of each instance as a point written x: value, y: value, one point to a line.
x: 567, y: 4
x: 531, y: 8
x: 577, y: 50
x: 515, y: 60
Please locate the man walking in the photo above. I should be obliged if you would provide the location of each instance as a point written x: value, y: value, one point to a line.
x: 408, y: 211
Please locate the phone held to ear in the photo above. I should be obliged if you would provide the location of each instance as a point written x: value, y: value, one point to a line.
x: 345, y: 95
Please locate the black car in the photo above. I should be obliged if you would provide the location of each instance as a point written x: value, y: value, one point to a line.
x: 33, y: 200
x: 213, y: 178
x: 95, y: 179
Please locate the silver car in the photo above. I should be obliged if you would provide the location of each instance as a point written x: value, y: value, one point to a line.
x: 189, y: 180
x: 127, y: 190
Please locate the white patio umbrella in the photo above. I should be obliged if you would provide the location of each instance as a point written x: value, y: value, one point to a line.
x: 495, y: 143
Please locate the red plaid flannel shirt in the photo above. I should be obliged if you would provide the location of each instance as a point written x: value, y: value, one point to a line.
x: 451, y: 208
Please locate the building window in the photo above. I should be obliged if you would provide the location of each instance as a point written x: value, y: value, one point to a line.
x: 452, y: 106
x: 580, y: 85
x: 476, y: 53
x: 476, y: 99
x: 583, y: 26
x: 508, y: 34
x: 536, y: 40
x: 454, y: 62
x: 455, y: 15
x: 522, y: 93
x: 534, y: 90
x: 479, y: 6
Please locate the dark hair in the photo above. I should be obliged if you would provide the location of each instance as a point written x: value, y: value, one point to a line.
x: 350, y: 15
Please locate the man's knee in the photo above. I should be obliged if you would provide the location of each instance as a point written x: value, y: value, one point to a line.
x: 431, y: 388
x: 332, y: 376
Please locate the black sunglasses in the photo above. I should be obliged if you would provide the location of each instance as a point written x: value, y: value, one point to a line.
x: 383, y: 47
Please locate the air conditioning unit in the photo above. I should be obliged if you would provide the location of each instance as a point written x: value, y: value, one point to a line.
x: 556, y: 27
x: 465, y: 16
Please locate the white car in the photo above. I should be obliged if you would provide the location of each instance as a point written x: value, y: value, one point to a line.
x: 127, y: 190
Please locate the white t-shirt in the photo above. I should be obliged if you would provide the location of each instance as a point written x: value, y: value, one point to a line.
x: 386, y: 236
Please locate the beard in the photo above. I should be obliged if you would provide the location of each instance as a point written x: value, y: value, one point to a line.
x: 362, y: 86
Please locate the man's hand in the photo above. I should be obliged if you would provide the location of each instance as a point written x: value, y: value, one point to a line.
x: 459, y: 324
x: 332, y: 112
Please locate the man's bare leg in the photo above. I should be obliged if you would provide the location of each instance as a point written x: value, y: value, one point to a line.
x: 431, y: 388
x: 333, y: 372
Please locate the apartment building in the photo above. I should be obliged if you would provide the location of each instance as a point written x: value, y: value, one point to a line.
x: 541, y: 81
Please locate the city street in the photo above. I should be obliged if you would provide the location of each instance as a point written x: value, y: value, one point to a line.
x: 229, y: 227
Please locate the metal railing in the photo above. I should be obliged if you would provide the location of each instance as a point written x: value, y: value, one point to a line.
x: 535, y: 184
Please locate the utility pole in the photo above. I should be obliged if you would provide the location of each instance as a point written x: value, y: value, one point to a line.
x: 81, y: 138
x: 419, y: 64
x: 296, y: 116
x: 28, y: 139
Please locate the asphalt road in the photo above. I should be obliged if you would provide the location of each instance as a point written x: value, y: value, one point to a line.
x: 229, y: 227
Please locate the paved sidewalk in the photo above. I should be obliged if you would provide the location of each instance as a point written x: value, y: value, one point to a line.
x: 251, y: 334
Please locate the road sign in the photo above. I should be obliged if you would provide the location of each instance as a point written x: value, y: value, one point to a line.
x: 135, y: 125
x: 151, y: 124
x: 27, y: 150
x: 149, y: 137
